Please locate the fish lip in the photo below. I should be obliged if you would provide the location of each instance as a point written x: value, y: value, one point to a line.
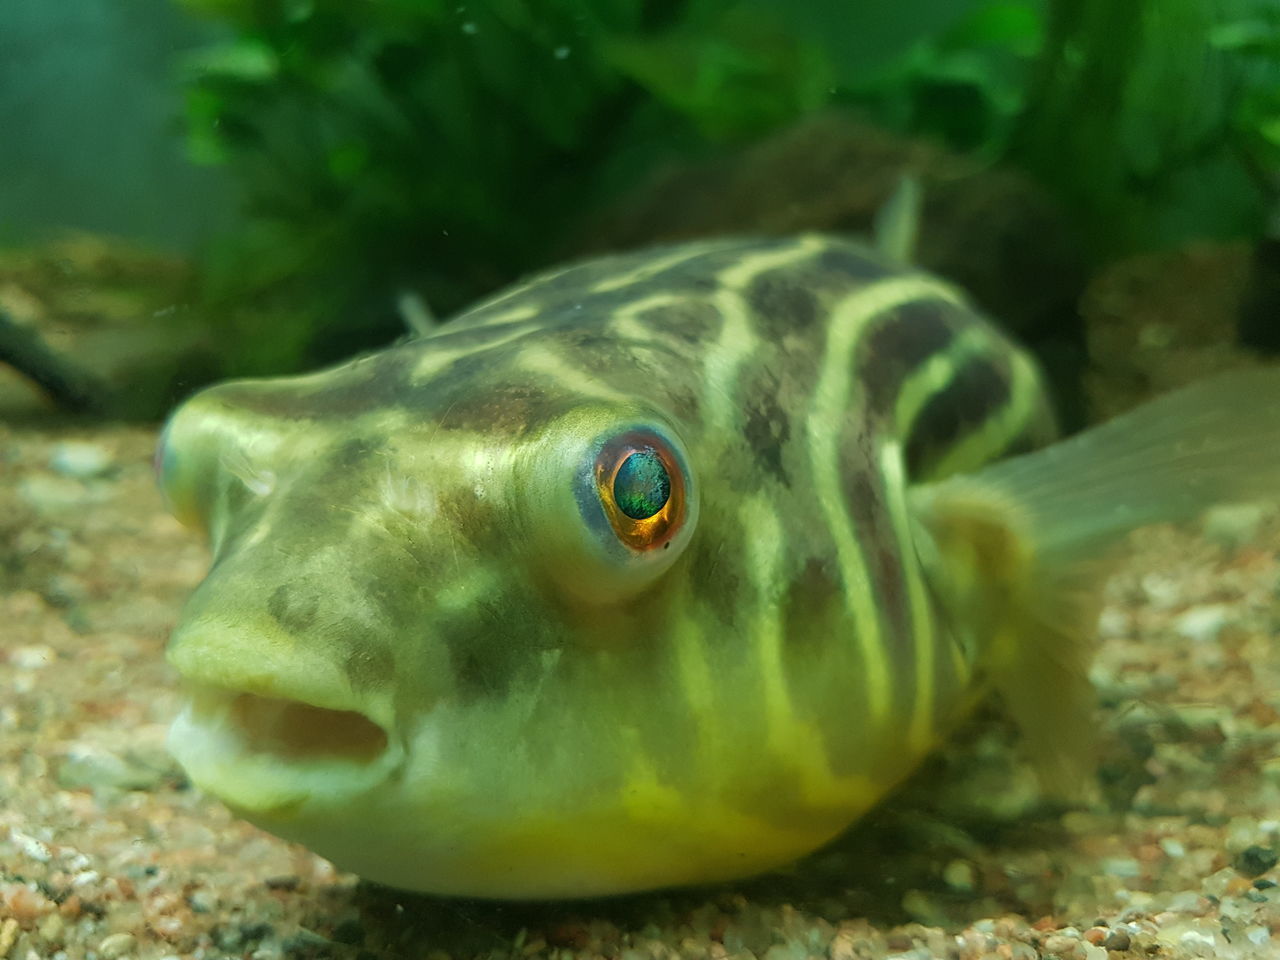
x: 268, y: 757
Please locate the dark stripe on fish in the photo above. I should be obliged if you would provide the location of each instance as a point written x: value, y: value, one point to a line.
x: 872, y: 523
x: 899, y: 343
x: 858, y: 263
x: 790, y: 300
x: 691, y: 322
x: 782, y: 305
x: 978, y: 389
x: 820, y: 672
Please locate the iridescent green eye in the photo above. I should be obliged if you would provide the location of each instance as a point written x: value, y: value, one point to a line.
x: 642, y: 485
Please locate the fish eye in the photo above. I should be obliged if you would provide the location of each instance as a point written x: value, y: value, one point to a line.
x: 633, y: 497
x: 641, y: 485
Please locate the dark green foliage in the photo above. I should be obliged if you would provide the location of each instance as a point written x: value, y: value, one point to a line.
x: 1158, y: 120
x: 443, y: 148
x: 398, y: 145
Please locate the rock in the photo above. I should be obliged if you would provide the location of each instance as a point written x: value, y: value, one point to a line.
x: 959, y: 875
x: 1066, y: 948
x: 32, y: 657
x: 1256, y: 860
x: 87, y: 765
x: 202, y: 901
x: 1233, y: 524
x: 1117, y: 940
x: 1202, y: 624
x: 1125, y: 867
x: 81, y: 461
x: 54, y: 496
x: 116, y: 946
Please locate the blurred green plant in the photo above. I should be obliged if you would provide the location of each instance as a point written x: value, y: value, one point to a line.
x: 445, y: 147
x: 389, y: 145
x: 1157, y: 120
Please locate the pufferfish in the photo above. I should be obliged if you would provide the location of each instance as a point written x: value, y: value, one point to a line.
x: 658, y: 569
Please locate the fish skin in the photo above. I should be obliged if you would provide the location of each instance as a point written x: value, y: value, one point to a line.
x: 429, y: 649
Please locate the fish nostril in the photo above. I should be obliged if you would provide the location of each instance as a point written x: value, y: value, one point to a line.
x: 299, y: 731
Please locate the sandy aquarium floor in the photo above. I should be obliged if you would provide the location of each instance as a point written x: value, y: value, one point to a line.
x: 106, y: 851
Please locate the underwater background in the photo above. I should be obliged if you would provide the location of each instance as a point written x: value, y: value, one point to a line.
x: 204, y: 189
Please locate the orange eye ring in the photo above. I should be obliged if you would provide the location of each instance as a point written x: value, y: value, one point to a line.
x: 641, y: 485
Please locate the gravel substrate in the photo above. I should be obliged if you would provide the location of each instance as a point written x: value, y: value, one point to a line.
x: 106, y: 852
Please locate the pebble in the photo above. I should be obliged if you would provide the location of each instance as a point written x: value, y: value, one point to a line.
x: 1188, y: 901
x: 1197, y: 944
x: 793, y: 950
x: 1117, y: 940
x: 842, y: 947
x: 1258, y: 935
x: 1066, y: 948
x: 1216, y: 884
x: 168, y: 928
x: 917, y: 953
x: 202, y: 901
x: 80, y: 461
x: 1254, y: 861
x: 1202, y: 624
x: 52, y: 927
x: 55, y: 496
x: 31, y: 847
x: 303, y: 941
x: 958, y: 875
x: 116, y: 946
x: 1232, y: 524
x: 65, y: 591
x: 1162, y: 592
x: 32, y: 657
x: 1122, y: 867
x: 86, y: 765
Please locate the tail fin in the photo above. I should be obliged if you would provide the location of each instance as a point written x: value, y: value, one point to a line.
x: 1018, y: 551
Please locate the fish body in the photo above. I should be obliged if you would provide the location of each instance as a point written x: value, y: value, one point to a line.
x: 657, y: 569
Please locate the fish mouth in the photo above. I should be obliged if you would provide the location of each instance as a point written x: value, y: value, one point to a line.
x: 268, y: 756
x: 298, y: 731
